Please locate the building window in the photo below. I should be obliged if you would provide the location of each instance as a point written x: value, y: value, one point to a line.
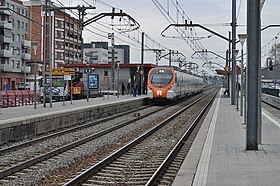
x: 18, y: 51
x: 18, y: 37
x: 26, y: 27
x: 18, y: 22
x: 18, y: 64
x: 62, y: 35
x: 62, y: 44
x: 13, y: 37
x: 22, y: 25
x: 13, y: 63
x: 105, y: 73
x: 13, y: 50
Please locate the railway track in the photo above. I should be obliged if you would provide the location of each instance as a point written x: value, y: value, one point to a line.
x: 144, y: 161
x: 14, y: 170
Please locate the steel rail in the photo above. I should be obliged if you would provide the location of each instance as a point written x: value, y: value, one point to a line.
x: 69, y: 146
x: 95, y: 168
x: 90, y: 124
x: 154, y: 178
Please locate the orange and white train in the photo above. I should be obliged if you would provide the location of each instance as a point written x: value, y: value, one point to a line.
x: 168, y: 83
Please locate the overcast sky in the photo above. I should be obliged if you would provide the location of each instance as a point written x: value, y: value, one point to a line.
x: 210, y: 13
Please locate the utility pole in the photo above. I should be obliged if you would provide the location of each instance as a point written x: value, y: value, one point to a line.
x: 51, y: 51
x: 44, y: 52
x: 233, y: 73
x: 111, y: 36
x: 253, y: 31
x: 142, y: 61
x: 170, y: 58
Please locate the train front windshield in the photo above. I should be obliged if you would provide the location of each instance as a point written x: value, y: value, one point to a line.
x: 161, y: 77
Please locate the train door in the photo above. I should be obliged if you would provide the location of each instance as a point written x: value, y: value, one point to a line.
x: 13, y: 85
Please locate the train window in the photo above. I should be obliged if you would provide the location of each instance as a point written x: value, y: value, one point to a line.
x: 161, y: 78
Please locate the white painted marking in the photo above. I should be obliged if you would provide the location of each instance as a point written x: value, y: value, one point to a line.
x: 271, y: 119
x: 201, y: 174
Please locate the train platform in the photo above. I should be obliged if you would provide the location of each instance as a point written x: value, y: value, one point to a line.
x: 18, y: 123
x: 218, y: 155
x: 27, y: 111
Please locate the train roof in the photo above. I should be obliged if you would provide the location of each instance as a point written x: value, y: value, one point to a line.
x: 178, y: 69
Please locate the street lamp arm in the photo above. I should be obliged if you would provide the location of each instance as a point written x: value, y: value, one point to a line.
x: 212, y: 63
x: 266, y: 27
x: 112, y: 14
x: 195, y: 25
x: 209, y: 52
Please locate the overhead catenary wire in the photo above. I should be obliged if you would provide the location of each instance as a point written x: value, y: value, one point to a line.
x: 136, y: 41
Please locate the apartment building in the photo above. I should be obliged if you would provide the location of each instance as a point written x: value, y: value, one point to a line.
x: 14, y: 46
x: 65, y: 35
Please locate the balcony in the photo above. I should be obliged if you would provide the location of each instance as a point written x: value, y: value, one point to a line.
x: 6, y: 25
x: 26, y: 43
x: 6, y: 12
x: 5, y: 39
x: 5, y: 53
x: 26, y: 69
x: 26, y: 56
x: 6, y: 67
x: 9, y: 68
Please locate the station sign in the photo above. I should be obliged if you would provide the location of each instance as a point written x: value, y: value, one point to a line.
x: 62, y: 71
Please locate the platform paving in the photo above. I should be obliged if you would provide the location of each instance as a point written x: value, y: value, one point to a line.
x: 219, y: 156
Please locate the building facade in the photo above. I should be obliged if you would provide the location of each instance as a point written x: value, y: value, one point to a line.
x: 64, y: 40
x: 14, y: 46
x: 100, y: 53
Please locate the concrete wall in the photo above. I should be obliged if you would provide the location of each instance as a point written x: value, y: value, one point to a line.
x: 29, y: 127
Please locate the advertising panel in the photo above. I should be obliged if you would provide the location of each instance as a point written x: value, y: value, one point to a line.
x: 93, y: 81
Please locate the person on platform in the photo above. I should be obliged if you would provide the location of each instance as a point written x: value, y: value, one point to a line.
x: 128, y: 89
x: 134, y: 89
x: 123, y: 89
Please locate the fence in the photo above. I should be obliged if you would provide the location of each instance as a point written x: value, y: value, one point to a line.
x: 16, y: 98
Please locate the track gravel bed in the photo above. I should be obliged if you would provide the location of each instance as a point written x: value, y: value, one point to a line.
x: 52, y: 171
x: 137, y: 165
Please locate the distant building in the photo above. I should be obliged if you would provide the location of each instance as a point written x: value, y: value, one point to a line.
x: 118, y: 56
x: 126, y: 52
x: 14, y: 47
x: 101, y: 53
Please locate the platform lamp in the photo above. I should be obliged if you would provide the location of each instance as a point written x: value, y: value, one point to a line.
x: 87, y: 70
x: 242, y: 38
x: 1, y: 102
x: 35, y: 46
x: 118, y: 83
x: 235, y: 53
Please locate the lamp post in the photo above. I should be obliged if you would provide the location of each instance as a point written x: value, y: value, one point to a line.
x: 275, y: 46
x: 118, y: 83
x: 87, y: 81
x: 235, y: 52
x: 242, y: 38
x: 1, y: 102
x: 34, y: 46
